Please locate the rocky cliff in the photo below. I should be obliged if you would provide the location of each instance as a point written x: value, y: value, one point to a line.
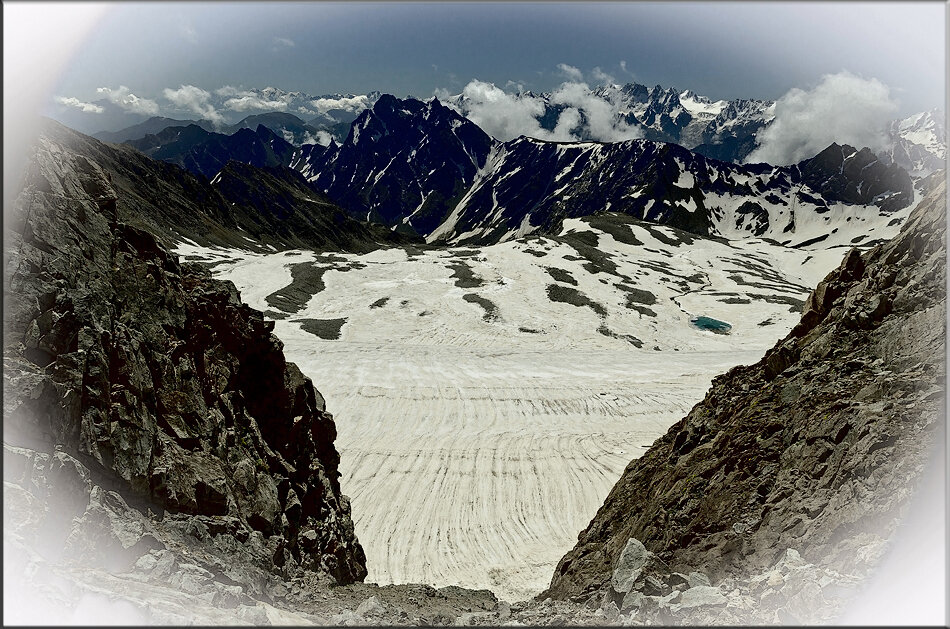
x: 785, y: 483
x: 252, y: 207
x: 145, y: 404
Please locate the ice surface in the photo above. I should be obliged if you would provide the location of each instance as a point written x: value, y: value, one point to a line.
x: 474, y: 448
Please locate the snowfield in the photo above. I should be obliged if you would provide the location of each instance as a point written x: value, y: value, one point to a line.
x: 487, y: 399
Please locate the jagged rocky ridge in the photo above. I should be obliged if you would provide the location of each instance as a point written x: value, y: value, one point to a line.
x: 277, y: 202
x: 143, y: 402
x: 533, y: 185
x: 784, y: 485
x: 204, y: 152
x: 726, y: 130
x: 423, y: 169
x: 154, y: 125
x: 248, y: 207
x: 404, y: 163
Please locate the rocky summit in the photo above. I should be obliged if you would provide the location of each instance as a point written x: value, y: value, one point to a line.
x: 785, y: 485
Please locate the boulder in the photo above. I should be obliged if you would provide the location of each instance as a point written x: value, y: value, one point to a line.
x: 629, y: 566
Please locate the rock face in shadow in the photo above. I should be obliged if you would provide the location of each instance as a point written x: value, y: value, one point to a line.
x: 141, y: 395
x: 205, y: 153
x: 803, y: 461
x: 247, y: 207
x: 845, y: 173
x: 279, y: 203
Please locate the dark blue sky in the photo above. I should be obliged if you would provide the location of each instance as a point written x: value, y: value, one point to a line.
x: 722, y: 50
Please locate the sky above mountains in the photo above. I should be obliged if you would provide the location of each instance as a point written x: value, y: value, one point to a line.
x: 719, y: 49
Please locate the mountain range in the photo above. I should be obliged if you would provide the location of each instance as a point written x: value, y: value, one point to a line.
x: 228, y: 105
x: 422, y: 168
x: 726, y: 130
x: 163, y: 457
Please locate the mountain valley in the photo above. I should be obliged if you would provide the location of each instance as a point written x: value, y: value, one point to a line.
x: 267, y: 369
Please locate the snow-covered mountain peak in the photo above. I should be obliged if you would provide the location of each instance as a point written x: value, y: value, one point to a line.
x: 926, y: 129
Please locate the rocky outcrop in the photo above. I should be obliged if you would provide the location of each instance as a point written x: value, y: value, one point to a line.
x: 256, y: 208
x: 858, y: 177
x: 405, y: 163
x: 279, y: 203
x: 145, y: 404
x: 816, y: 448
x: 205, y: 153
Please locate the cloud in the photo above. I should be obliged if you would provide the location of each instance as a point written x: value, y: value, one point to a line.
x: 126, y: 100
x: 572, y: 73
x: 842, y: 108
x: 346, y: 103
x: 604, y: 122
x: 196, y: 100
x: 282, y: 43
x: 250, y: 101
x: 187, y: 30
x: 228, y: 90
x: 602, y: 77
x: 444, y: 96
x: 502, y: 115
x: 623, y: 68
x: 582, y: 115
x: 89, y: 108
x: 322, y: 138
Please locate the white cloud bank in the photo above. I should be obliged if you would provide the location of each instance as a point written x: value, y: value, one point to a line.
x: 195, y: 100
x: 842, y: 108
x: 88, y: 108
x: 604, y: 123
x: 345, y: 103
x: 125, y: 99
x: 505, y: 116
x: 267, y: 99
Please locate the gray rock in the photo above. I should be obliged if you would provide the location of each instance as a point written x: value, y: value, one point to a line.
x: 157, y: 564
x: 611, y: 612
x: 253, y: 614
x: 701, y: 596
x: 632, y: 600
x: 110, y: 533
x: 370, y: 607
x: 629, y: 566
x: 697, y: 579
x: 155, y: 375
x: 818, y: 447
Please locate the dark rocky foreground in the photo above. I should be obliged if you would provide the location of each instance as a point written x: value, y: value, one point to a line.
x: 163, y: 463
x: 147, y: 409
